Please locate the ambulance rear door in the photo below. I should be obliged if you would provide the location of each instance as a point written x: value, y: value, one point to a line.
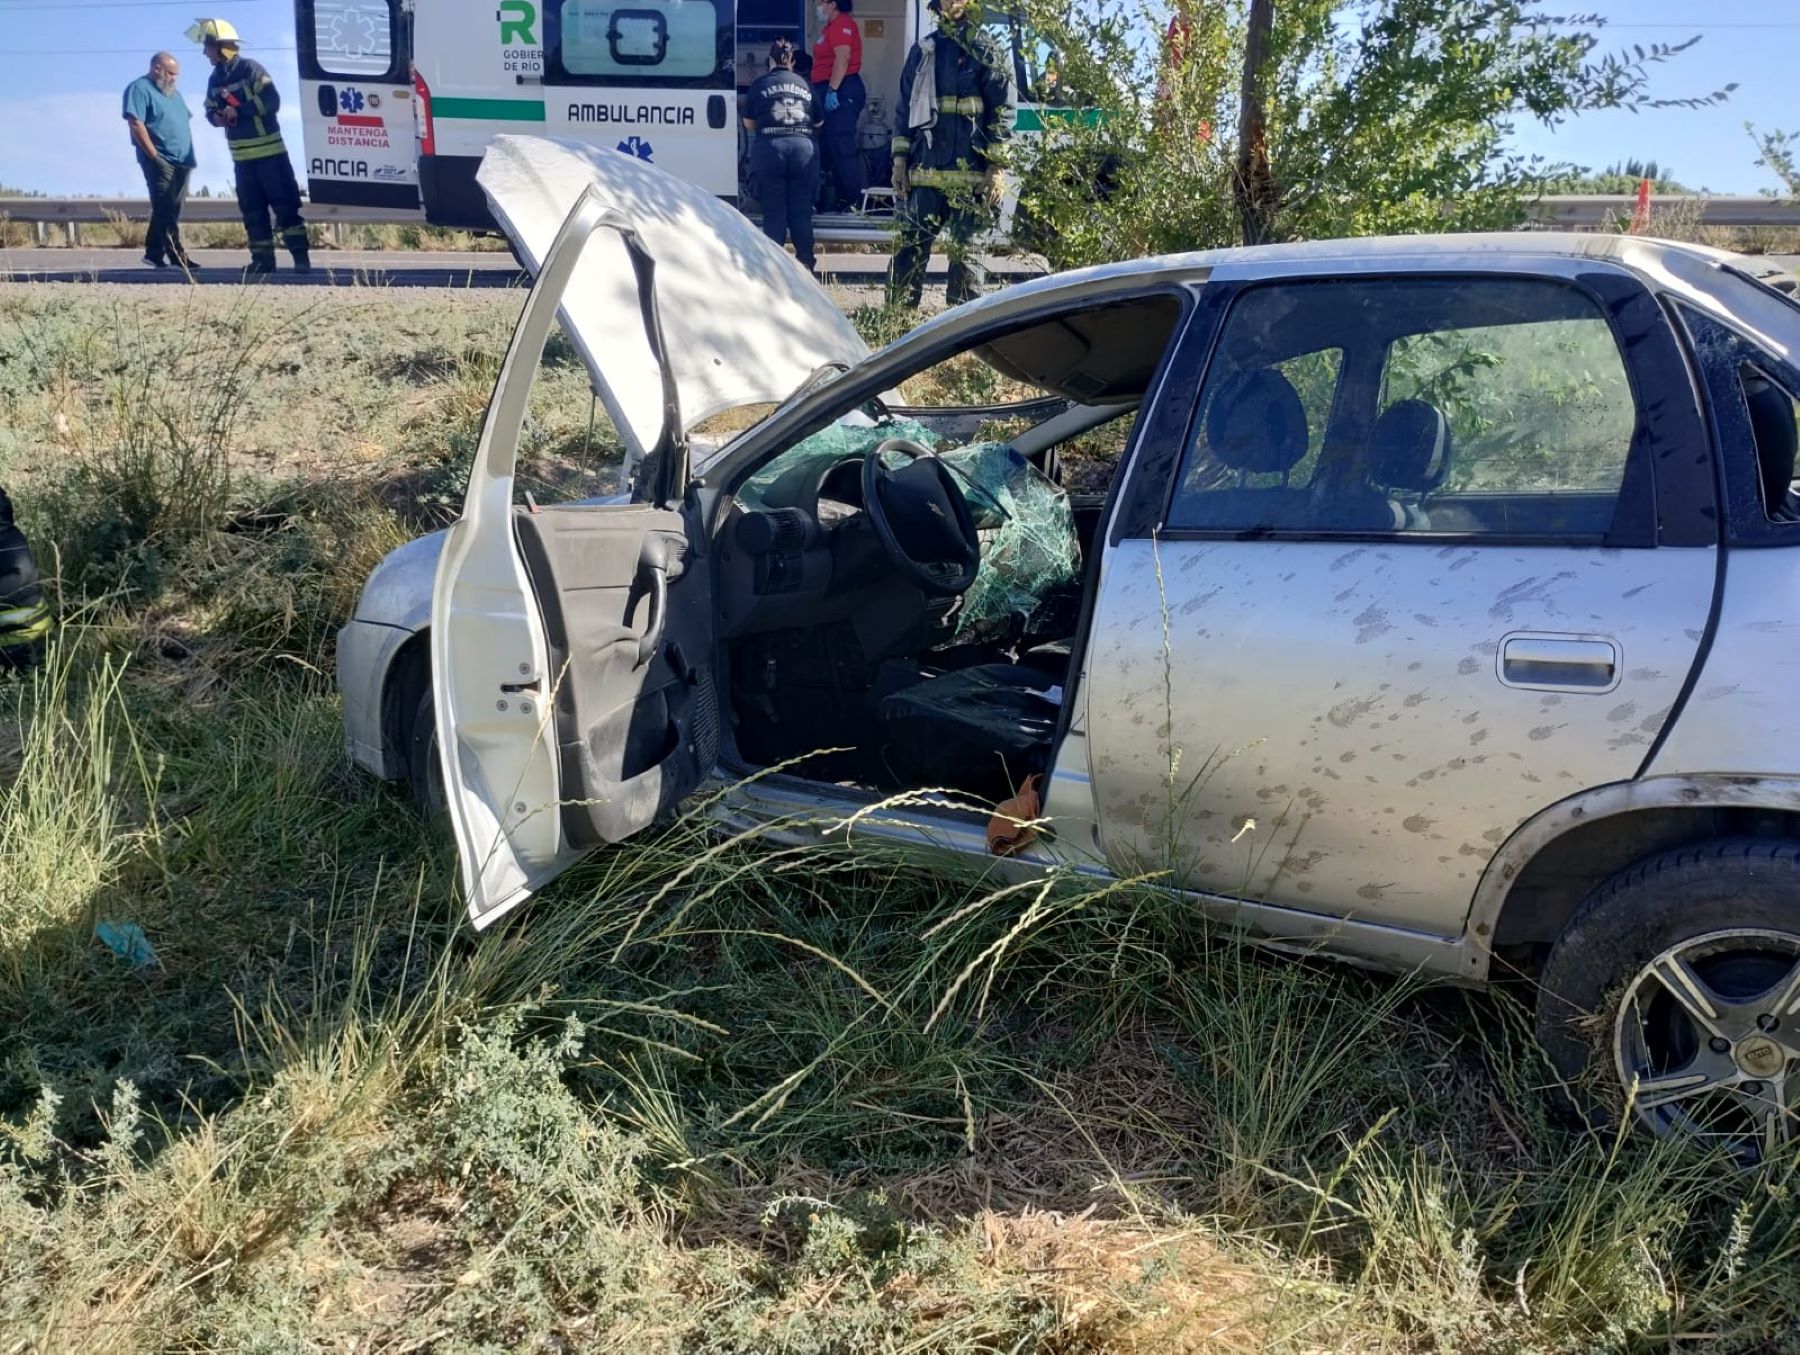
x: 357, y: 103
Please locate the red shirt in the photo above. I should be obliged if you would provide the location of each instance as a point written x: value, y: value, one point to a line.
x: 840, y: 32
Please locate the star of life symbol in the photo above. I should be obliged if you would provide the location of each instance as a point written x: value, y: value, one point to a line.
x: 638, y: 146
x: 350, y: 100
x: 352, y: 34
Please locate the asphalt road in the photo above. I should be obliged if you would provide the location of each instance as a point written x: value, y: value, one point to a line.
x: 379, y: 268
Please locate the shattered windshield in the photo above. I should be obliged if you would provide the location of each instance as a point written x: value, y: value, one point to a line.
x: 1030, y: 550
x: 825, y: 448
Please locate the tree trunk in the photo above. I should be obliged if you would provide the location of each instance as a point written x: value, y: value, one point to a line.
x: 1255, y: 185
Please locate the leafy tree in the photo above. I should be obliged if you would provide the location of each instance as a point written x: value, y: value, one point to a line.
x: 1617, y: 178
x: 1362, y: 117
x: 1779, y: 152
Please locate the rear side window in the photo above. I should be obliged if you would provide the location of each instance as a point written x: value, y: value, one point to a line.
x: 1754, y: 398
x: 1540, y: 406
x: 1462, y: 407
x: 1775, y: 428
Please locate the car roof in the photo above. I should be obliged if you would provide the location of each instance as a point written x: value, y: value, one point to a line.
x: 1698, y: 273
x: 1434, y: 248
x: 1661, y: 261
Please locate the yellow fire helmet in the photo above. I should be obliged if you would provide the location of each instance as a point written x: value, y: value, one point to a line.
x: 212, y: 30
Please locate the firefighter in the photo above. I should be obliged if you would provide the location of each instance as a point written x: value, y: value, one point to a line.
x: 241, y: 98
x: 955, y: 118
x: 24, y: 615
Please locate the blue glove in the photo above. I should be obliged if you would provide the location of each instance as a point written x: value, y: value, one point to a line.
x: 831, y: 101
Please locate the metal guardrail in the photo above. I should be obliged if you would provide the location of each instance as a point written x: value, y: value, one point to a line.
x: 1596, y: 209
x: 72, y: 212
x: 1570, y: 209
x: 69, y: 213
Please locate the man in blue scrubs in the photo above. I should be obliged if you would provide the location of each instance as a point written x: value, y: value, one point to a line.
x: 158, y: 118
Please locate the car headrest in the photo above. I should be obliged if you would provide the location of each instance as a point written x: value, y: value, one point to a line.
x: 1409, y: 447
x: 1257, y: 423
x: 1772, y: 422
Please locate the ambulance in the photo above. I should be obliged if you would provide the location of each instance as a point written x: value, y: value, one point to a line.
x: 400, y: 98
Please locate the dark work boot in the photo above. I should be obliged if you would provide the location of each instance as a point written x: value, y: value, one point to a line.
x: 302, y: 258
x: 262, y: 262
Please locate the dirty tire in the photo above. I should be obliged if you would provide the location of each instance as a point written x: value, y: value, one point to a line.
x: 424, y: 774
x: 1630, y: 920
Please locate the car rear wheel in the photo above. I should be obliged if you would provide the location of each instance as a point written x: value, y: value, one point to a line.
x: 1673, y: 994
x: 424, y: 772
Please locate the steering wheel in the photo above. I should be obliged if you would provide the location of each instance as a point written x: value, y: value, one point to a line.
x: 921, y: 518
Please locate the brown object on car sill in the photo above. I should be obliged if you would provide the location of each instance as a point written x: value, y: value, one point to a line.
x: 1013, y: 827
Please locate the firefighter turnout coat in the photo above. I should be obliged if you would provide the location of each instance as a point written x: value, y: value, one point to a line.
x: 966, y: 131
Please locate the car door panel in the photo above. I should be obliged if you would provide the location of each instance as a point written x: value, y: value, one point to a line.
x: 1327, y: 726
x: 628, y: 621
x: 567, y: 707
x: 1742, y: 697
x: 1350, y: 719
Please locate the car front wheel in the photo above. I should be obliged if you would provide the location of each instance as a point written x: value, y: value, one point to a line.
x: 1673, y: 994
x: 424, y: 772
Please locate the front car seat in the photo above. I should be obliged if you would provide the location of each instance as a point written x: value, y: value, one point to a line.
x: 1256, y: 425
x: 982, y: 730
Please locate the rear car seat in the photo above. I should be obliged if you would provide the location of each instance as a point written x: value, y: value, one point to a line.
x: 1772, y: 423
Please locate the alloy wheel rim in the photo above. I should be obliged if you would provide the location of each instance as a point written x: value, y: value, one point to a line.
x: 1707, y: 1042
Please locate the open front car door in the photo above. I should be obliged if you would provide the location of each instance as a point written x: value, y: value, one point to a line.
x: 571, y: 646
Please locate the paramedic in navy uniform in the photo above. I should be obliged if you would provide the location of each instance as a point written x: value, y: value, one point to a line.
x: 781, y: 112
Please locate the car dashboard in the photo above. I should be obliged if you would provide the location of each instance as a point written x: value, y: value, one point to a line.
x: 799, y: 551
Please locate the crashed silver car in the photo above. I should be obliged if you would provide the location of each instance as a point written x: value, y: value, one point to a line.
x: 1441, y: 611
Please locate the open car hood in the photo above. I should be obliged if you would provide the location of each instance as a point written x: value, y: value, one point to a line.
x: 743, y: 322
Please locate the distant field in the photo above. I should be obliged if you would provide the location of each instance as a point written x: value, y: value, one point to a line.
x: 702, y: 1095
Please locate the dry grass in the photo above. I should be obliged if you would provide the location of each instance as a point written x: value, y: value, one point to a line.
x: 1684, y: 220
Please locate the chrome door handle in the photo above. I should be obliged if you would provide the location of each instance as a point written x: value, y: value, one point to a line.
x: 1560, y: 663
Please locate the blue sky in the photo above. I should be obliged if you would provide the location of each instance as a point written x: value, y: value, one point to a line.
x: 69, y: 60
x: 1752, y: 42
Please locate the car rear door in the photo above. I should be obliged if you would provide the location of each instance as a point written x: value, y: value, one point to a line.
x: 572, y: 646
x: 1434, y: 552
